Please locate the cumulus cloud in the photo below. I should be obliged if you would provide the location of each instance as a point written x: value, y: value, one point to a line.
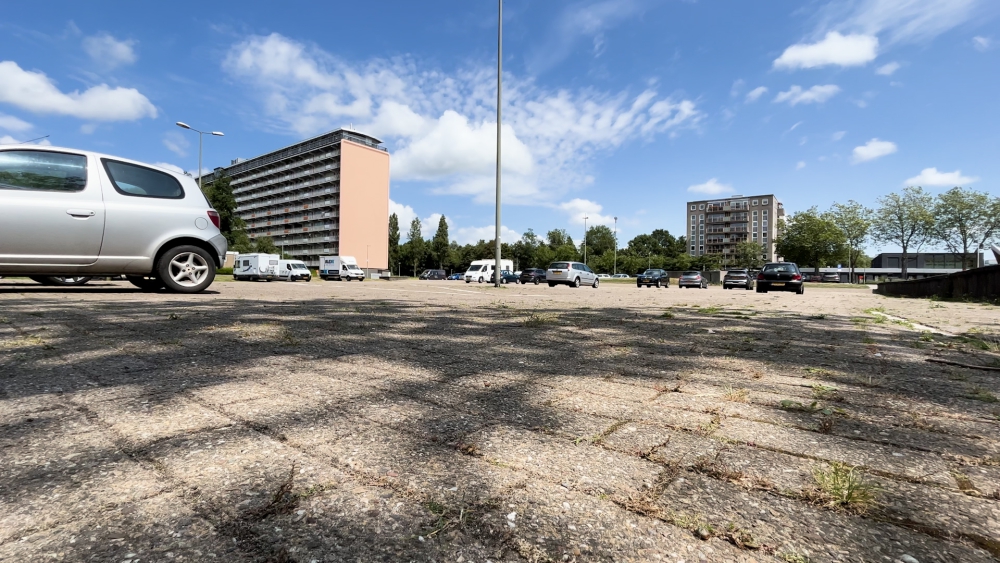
x: 11, y: 123
x: 404, y: 213
x: 887, y: 69
x: 176, y: 142
x: 442, y: 126
x: 472, y: 235
x: 873, y: 149
x: 578, y: 208
x: 982, y: 43
x: 833, y: 49
x: 108, y: 51
x: 815, y: 95
x: 755, y: 94
x: 931, y: 178
x: 35, y: 92
x: 711, y: 187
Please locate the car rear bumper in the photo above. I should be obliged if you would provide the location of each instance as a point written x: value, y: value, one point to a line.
x: 788, y: 286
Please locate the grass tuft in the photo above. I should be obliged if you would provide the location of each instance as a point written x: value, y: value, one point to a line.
x: 843, y: 486
x: 736, y: 395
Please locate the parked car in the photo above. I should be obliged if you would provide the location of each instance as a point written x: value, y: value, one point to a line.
x: 814, y: 278
x: 433, y: 275
x: 532, y: 275
x: 457, y: 276
x: 738, y: 278
x: 505, y: 277
x: 604, y: 276
x: 571, y: 273
x: 780, y: 276
x: 620, y: 276
x: 653, y: 276
x: 692, y: 279
x: 831, y: 277
x: 67, y: 214
x: 293, y: 270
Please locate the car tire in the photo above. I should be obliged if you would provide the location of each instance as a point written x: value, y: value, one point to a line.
x: 749, y: 287
x: 657, y: 284
x: 186, y: 269
x: 801, y: 290
x: 552, y: 284
x: 638, y: 285
x: 62, y: 281
x: 146, y: 283
x: 536, y: 281
x: 597, y: 282
x: 480, y: 280
x: 576, y: 282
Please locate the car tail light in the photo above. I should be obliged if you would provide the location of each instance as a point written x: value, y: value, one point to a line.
x: 760, y: 276
x: 214, y: 216
x: 797, y: 277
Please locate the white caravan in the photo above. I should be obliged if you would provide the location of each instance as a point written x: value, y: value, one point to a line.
x: 340, y: 268
x: 256, y: 267
x: 481, y: 270
x: 292, y: 270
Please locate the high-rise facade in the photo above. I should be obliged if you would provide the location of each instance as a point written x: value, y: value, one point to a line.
x: 716, y: 226
x: 328, y: 195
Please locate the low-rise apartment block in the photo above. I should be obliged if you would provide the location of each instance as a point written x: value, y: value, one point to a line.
x: 716, y: 226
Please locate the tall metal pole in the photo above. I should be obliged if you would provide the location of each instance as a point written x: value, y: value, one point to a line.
x: 616, y: 245
x: 199, y: 160
x: 585, y: 239
x: 496, y: 268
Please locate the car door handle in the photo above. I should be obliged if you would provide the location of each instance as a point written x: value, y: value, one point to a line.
x: 80, y: 212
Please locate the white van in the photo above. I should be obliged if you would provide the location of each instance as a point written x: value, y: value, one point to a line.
x: 256, y: 267
x: 292, y: 270
x: 340, y: 268
x: 481, y: 270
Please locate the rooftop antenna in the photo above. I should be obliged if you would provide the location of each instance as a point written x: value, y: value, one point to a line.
x: 32, y: 140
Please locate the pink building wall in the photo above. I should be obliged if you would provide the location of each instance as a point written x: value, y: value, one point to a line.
x: 364, y: 205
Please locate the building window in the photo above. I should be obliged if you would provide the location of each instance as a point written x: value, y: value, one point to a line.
x: 763, y: 235
x: 755, y: 224
x: 763, y: 202
x: 701, y: 217
x: 693, y: 228
x: 755, y: 213
x: 765, y: 213
x: 692, y: 248
x: 702, y: 206
x: 693, y: 207
x: 755, y: 236
x: 694, y: 218
x: 764, y: 224
x: 755, y: 203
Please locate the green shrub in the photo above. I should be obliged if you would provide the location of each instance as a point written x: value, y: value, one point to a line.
x: 225, y: 271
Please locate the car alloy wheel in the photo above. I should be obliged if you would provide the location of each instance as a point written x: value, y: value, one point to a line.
x: 657, y: 284
x: 536, y: 281
x: 597, y: 282
x: 186, y: 269
x: 480, y: 280
x: 576, y: 282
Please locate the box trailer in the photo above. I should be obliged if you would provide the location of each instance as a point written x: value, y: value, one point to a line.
x: 256, y: 267
x: 340, y: 268
x: 292, y: 270
x: 481, y: 270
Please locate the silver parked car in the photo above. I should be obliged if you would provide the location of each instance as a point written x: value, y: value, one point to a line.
x: 571, y: 273
x: 66, y: 215
x: 692, y: 279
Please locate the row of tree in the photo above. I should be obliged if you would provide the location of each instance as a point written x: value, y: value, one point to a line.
x: 960, y: 220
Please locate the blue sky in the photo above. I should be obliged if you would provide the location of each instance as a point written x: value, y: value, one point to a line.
x: 622, y: 108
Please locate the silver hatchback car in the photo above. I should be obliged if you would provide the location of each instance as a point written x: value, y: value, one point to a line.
x: 571, y: 273
x: 68, y: 214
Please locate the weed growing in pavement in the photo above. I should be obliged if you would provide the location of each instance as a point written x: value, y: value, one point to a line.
x: 539, y: 319
x: 860, y: 320
x: 955, y: 375
x: 871, y: 310
x: 817, y: 317
x: 667, y: 315
x: 4, y: 321
x: 173, y: 316
x: 826, y: 425
x: 926, y: 336
x: 793, y: 557
x: 711, y: 426
x: 795, y: 406
x: 843, y: 486
x: 287, y: 337
x: 735, y: 395
x: 984, y: 395
x: 867, y: 340
x: 709, y: 310
x: 821, y: 372
x: 826, y: 393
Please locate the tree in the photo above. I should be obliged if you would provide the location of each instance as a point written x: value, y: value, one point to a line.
x: 393, y: 242
x: 219, y: 193
x: 416, y: 246
x: 905, y: 220
x: 265, y: 245
x: 557, y: 238
x: 811, y: 238
x: 439, y: 244
x: 749, y: 255
x: 965, y: 220
x: 855, y: 221
x: 599, y: 239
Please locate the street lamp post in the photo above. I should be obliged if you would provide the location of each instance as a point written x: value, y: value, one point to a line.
x: 616, y: 245
x: 496, y: 251
x: 183, y: 125
x: 585, y: 239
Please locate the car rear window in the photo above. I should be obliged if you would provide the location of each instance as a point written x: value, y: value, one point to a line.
x: 736, y: 272
x: 691, y: 273
x: 42, y: 170
x: 559, y: 266
x: 780, y: 268
x: 139, y: 181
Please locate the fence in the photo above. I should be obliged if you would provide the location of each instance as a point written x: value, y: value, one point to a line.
x: 978, y: 283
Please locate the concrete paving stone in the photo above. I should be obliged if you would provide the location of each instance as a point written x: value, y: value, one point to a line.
x: 145, y: 419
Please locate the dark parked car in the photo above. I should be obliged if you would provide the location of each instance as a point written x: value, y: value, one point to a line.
x: 433, y: 275
x: 831, y: 277
x: 780, y: 276
x: 532, y: 275
x: 692, y: 279
x: 505, y: 277
x: 738, y: 278
x: 651, y: 277
x: 814, y: 278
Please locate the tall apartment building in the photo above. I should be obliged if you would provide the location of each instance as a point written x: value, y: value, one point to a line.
x: 716, y: 226
x: 328, y: 195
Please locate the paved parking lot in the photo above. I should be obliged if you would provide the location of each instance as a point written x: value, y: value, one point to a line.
x: 439, y: 421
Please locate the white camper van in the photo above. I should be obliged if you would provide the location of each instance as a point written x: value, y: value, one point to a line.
x: 292, y: 270
x: 340, y: 268
x: 481, y: 270
x: 256, y: 267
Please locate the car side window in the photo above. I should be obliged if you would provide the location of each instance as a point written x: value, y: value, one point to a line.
x: 42, y: 170
x: 139, y: 181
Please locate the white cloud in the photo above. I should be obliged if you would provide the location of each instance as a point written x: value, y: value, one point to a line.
x: 711, y: 187
x: 170, y: 167
x: 577, y: 23
x: 873, y: 149
x: 930, y: 177
x: 737, y: 87
x: 887, y: 69
x: 176, y: 142
x: 33, y: 91
x: 817, y: 94
x: 899, y: 20
x: 11, y: 123
x: 800, y: 165
x: 88, y: 128
x: 472, y: 235
x: 794, y: 127
x: 838, y: 135
x: 404, y: 213
x: 578, y: 208
x: 442, y: 126
x: 833, y: 49
x: 982, y: 43
x: 755, y: 94
x: 108, y: 51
